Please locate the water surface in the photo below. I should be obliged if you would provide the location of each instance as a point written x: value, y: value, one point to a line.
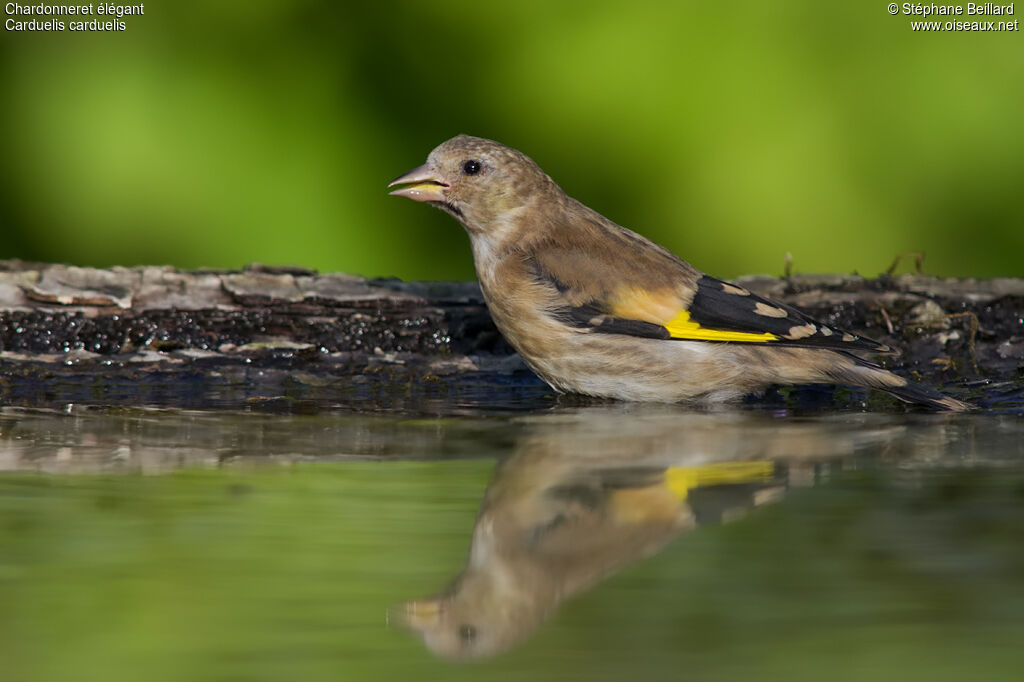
x: 539, y: 541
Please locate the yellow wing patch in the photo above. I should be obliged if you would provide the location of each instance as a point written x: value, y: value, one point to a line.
x: 634, y: 303
x: 681, y: 480
x: 660, y: 502
x: 682, y: 327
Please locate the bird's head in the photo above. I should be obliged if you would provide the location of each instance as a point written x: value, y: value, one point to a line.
x: 480, y: 182
x: 482, y: 614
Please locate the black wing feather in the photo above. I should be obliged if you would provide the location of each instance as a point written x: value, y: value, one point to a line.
x: 715, y: 305
x: 590, y: 317
x: 720, y: 305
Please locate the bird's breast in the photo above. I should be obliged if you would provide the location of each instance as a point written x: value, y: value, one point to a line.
x: 519, y: 306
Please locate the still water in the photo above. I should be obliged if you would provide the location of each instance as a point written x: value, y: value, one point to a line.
x: 551, y: 541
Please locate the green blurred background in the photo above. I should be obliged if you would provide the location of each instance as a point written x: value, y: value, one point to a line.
x: 218, y: 134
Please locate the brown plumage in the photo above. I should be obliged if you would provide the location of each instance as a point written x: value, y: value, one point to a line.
x: 582, y: 497
x: 597, y: 309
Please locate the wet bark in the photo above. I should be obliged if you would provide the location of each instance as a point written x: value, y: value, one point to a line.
x: 264, y: 332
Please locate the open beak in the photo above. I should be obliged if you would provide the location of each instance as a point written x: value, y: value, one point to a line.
x: 421, y: 184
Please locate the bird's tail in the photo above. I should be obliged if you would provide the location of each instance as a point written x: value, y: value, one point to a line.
x: 863, y: 373
x: 923, y: 394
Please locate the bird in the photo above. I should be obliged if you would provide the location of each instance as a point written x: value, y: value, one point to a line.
x: 582, y: 497
x: 594, y: 308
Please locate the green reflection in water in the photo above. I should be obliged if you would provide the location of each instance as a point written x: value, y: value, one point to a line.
x: 222, y: 574
x: 898, y: 555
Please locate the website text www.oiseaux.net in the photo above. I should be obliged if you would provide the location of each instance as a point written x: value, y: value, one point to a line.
x: 987, y: 16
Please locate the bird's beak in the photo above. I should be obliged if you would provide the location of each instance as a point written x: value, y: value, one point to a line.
x: 422, y: 184
x: 420, y: 614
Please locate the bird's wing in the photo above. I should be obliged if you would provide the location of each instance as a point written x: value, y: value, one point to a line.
x: 672, y: 301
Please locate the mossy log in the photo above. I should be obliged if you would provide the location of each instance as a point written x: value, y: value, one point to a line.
x: 165, y: 336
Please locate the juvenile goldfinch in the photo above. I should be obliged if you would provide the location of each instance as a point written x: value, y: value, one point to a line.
x: 580, y: 499
x: 597, y: 309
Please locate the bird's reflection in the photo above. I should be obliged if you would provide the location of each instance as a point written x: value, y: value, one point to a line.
x: 588, y: 492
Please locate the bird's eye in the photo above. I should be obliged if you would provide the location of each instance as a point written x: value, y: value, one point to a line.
x: 467, y: 633
x: 471, y: 167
